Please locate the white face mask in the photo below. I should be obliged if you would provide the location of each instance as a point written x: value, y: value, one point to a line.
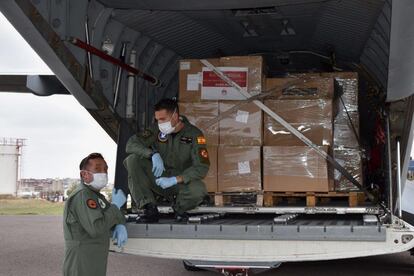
x: 100, y: 180
x: 166, y: 127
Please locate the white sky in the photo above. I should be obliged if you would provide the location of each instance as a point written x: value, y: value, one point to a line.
x: 59, y: 131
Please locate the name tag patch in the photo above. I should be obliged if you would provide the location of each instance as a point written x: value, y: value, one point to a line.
x: 186, y: 140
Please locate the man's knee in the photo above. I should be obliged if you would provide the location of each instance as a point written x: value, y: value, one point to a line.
x: 191, y: 196
x: 197, y: 190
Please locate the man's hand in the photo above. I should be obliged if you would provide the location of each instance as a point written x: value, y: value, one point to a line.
x: 120, y: 235
x: 166, y: 182
x: 118, y: 198
x: 157, y: 165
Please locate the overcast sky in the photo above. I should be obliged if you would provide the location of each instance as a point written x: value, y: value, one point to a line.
x: 59, y: 131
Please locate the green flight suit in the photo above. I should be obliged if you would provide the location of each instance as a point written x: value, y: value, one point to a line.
x: 87, y: 221
x: 183, y: 153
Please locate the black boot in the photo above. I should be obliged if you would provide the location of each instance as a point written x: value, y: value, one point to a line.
x: 151, y: 214
x: 181, y: 217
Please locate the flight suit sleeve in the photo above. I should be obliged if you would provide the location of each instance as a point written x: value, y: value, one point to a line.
x: 94, y: 219
x: 142, y: 143
x: 200, y: 160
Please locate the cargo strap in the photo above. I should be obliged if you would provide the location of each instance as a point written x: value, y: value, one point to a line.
x: 281, y: 121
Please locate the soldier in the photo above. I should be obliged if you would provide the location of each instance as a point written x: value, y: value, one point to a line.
x: 170, y: 160
x: 88, y: 219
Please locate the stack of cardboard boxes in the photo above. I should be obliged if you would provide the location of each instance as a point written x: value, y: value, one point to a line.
x: 288, y: 164
x: 237, y: 138
x: 248, y: 148
x: 339, y: 129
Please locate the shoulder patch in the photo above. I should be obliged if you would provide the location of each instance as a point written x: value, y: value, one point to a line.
x: 201, y: 140
x: 102, y: 203
x: 162, y: 137
x: 203, y: 153
x: 91, y: 203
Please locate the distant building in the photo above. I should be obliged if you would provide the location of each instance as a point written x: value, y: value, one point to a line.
x: 10, y: 155
x: 45, y: 188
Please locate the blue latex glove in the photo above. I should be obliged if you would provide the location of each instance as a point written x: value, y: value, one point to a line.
x: 120, y: 235
x: 118, y: 198
x: 166, y: 182
x: 157, y: 165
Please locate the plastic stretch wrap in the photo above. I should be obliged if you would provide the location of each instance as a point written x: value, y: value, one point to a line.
x: 199, y: 114
x: 294, y: 169
x: 350, y: 159
x: 347, y: 86
x: 190, y: 77
x: 244, y: 127
x: 314, y: 118
x: 255, y: 65
x: 308, y: 88
x: 239, y: 169
x: 344, y: 135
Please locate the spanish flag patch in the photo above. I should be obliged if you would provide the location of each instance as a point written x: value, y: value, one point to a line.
x: 201, y: 140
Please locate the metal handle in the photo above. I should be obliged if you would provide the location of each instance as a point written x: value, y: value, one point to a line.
x: 399, y: 179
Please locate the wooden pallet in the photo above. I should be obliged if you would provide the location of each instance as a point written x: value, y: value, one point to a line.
x: 275, y: 198
x: 234, y: 199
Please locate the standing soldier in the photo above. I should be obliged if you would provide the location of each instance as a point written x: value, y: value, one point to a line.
x: 88, y: 219
x: 170, y: 161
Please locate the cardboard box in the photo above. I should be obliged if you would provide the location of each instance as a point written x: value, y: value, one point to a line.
x: 313, y: 118
x: 199, y: 114
x: 239, y: 169
x: 295, y: 169
x: 351, y: 160
x: 197, y: 82
x: 211, y: 179
x: 190, y: 77
x: 302, y: 88
x: 243, y: 127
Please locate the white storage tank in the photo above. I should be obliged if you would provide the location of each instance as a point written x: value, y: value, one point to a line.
x: 10, y: 152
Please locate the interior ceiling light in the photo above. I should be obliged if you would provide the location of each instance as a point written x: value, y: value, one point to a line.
x: 287, y: 28
x: 256, y: 11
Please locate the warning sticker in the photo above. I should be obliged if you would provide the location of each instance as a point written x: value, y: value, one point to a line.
x: 244, y: 167
x: 214, y: 88
x: 242, y: 116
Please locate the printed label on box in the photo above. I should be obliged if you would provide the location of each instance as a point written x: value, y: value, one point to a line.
x: 193, y: 82
x: 244, y: 167
x: 242, y: 116
x: 185, y: 65
x: 214, y: 88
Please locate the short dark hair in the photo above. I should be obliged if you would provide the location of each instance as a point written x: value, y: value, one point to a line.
x: 167, y: 104
x: 84, y: 163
